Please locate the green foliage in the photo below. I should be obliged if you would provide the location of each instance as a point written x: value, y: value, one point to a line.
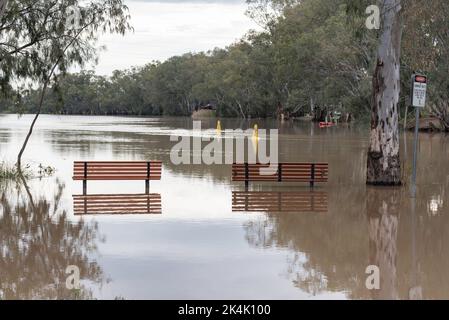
x: 35, y: 35
x: 307, y: 54
x: 11, y: 173
x: 311, y: 52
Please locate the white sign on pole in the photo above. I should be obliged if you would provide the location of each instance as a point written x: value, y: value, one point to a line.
x: 419, y: 91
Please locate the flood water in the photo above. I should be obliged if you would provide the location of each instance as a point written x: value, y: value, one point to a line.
x: 202, y: 245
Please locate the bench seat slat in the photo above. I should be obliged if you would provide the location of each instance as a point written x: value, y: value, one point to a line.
x: 118, y: 172
x: 116, y: 162
x: 116, y: 178
x: 114, y: 196
x: 119, y: 211
x: 285, y: 164
x: 108, y: 205
x: 289, y: 172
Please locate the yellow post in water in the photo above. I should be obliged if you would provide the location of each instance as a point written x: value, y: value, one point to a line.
x: 255, y: 139
x: 219, y: 127
x: 256, y: 132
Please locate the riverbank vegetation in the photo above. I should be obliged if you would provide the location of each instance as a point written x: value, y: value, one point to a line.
x: 313, y: 54
x: 41, y: 40
x: 8, y: 172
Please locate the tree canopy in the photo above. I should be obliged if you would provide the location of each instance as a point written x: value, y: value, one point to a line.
x: 35, y: 35
x: 310, y: 53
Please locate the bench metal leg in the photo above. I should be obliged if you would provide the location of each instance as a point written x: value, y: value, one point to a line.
x: 246, y: 176
x: 147, y: 182
x: 312, y: 181
x: 147, y: 186
x: 85, y: 179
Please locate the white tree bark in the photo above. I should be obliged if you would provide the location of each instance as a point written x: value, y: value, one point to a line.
x: 384, y: 167
x: 2, y: 7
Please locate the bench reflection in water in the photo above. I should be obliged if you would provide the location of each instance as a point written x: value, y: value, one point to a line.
x: 117, y: 204
x: 307, y: 201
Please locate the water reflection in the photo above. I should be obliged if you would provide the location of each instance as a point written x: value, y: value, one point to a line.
x: 257, y: 201
x: 383, y: 213
x: 37, y: 244
x: 330, y: 253
x: 269, y: 253
x: 326, y: 253
x: 117, y: 204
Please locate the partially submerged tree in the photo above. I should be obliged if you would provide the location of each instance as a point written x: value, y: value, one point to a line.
x: 41, y: 39
x: 384, y: 166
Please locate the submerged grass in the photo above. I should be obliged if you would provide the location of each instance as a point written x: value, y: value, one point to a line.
x: 10, y: 172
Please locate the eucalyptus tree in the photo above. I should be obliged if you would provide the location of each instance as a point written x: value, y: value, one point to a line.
x: 384, y: 166
x: 39, y: 40
x: 266, y: 12
x: 2, y: 6
x: 426, y: 50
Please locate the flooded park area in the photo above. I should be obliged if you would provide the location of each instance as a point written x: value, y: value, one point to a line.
x: 209, y: 237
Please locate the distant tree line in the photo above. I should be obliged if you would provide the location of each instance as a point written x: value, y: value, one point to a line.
x: 311, y: 55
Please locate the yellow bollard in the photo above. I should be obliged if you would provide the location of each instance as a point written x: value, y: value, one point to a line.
x: 219, y: 127
x: 256, y: 132
x: 255, y: 140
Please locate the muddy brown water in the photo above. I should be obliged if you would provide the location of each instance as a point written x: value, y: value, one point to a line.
x: 208, y: 242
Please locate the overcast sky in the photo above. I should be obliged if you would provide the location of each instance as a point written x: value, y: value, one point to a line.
x: 173, y: 27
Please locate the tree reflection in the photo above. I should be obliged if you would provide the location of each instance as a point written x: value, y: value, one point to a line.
x: 330, y: 252
x: 383, y: 211
x: 327, y: 252
x: 372, y: 226
x: 38, y: 242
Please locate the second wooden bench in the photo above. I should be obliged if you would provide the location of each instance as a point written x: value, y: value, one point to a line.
x: 311, y: 173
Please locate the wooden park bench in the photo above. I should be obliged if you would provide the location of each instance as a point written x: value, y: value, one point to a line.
x: 316, y: 202
x: 311, y: 173
x: 117, y: 204
x: 117, y: 170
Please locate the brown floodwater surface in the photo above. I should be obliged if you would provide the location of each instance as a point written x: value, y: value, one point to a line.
x: 208, y: 238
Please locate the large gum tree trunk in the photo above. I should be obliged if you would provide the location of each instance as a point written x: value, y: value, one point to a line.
x: 384, y: 167
x: 2, y: 7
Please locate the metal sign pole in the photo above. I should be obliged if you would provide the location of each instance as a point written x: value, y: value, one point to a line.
x: 415, y: 154
x: 418, y: 95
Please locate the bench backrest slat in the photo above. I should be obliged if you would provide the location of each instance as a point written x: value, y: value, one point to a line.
x: 117, y: 170
x: 285, y: 172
